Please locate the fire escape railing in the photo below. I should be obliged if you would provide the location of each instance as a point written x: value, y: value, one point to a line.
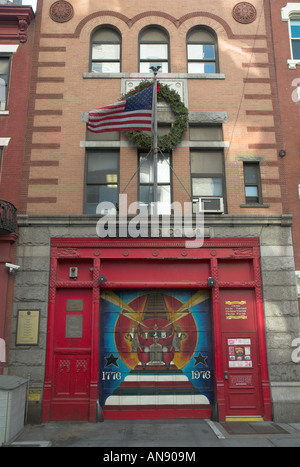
x: 8, y: 217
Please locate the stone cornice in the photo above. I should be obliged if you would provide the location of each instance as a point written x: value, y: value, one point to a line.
x: 18, y: 18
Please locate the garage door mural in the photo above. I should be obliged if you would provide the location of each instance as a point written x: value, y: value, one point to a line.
x: 155, y: 349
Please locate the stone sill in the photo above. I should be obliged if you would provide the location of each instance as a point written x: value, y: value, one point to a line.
x: 93, y: 75
x: 254, y: 205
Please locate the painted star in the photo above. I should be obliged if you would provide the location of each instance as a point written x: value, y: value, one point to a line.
x: 200, y: 359
x: 111, y: 360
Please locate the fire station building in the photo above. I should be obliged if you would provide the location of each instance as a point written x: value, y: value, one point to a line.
x: 155, y: 325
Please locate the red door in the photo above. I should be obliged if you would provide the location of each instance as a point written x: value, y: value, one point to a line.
x: 72, y: 355
x: 240, y: 353
x: 243, y: 393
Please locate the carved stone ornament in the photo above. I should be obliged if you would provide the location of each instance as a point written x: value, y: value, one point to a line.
x: 61, y: 11
x: 244, y: 12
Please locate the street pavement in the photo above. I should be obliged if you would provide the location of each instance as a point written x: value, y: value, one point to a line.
x: 131, y: 436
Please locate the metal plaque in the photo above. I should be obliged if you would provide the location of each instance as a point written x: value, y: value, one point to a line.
x: 74, y: 305
x: 74, y: 326
x: 28, y: 327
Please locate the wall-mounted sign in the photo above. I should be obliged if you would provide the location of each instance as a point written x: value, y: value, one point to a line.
x: 28, y: 327
x: 239, y: 352
x: 236, y: 309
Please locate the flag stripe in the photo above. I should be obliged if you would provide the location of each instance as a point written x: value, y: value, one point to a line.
x: 133, y: 113
x: 122, y: 117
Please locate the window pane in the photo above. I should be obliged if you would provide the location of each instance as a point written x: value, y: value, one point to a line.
x: 295, y: 28
x: 206, y: 162
x: 145, y: 67
x: 4, y: 66
x: 154, y: 51
x: 102, y: 168
x: 296, y: 49
x: 206, y: 133
x: 207, y: 187
x: 106, y: 52
x: 251, y: 191
x: 146, y: 170
x: 163, y: 195
x: 201, y: 67
x: 97, y: 194
x: 251, y: 173
x: 201, y: 52
x: 106, y: 67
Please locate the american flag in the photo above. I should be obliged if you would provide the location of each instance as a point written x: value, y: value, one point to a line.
x: 133, y: 113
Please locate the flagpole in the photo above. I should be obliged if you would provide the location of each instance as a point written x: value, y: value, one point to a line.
x: 155, y: 148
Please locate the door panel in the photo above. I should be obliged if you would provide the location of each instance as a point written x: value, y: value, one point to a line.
x: 241, y: 365
x: 156, y: 353
x: 72, y: 355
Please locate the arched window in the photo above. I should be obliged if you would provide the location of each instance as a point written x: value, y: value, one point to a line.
x: 106, y: 51
x: 202, y: 51
x: 154, y: 50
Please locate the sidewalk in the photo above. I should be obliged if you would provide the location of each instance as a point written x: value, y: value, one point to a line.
x: 136, y: 434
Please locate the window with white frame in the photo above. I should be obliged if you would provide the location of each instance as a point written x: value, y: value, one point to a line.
x: 105, y: 51
x: 4, y: 78
x: 291, y: 14
x: 153, y: 50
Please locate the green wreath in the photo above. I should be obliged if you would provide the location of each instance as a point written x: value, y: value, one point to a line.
x: 167, y: 142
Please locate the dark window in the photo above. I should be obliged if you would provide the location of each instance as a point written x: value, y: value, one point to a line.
x: 146, y: 196
x: 252, y: 183
x: 153, y: 50
x: 202, y: 51
x: 106, y: 51
x: 4, y: 78
x: 102, y: 178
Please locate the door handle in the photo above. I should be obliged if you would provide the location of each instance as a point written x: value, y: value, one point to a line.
x: 226, y: 375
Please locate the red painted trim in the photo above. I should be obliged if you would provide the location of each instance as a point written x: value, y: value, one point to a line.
x: 155, y: 252
x: 144, y: 412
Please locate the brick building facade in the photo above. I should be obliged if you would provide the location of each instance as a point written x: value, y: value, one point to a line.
x: 219, y: 58
x: 16, y: 41
x: 285, y: 21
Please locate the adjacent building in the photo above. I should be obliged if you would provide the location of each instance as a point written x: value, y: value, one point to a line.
x: 156, y: 318
x: 286, y: 23
x: 16, y: 42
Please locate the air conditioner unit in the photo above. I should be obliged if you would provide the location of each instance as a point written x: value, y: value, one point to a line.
x: 213, y: 204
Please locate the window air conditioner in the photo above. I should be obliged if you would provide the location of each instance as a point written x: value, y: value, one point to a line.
x: 214, y: 204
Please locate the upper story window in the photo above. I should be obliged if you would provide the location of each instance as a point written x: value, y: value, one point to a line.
x: 202, y: 51
x: 146, y: 183
x: 252, y: 182
x: 295, y: 38
x: 154, y: 50
x: 291, y: 14
x: 4, y: 78
x: 102, y: 180
x: 106, y: 51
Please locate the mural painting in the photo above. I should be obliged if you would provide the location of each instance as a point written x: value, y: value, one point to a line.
x: 155, y: 349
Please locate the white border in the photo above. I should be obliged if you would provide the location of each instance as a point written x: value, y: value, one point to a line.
x: 6, y: 48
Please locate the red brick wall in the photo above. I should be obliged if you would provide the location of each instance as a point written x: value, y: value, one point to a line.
x: 287, y: 80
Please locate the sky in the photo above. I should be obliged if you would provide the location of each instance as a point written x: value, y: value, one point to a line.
x: 31, y: 3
